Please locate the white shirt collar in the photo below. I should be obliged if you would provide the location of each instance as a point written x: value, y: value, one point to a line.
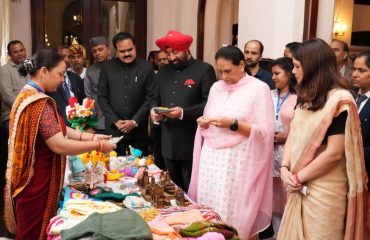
x: 367, y: 93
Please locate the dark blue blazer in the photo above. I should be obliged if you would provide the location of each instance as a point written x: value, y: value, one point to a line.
x: 60, y: 96
x: 365, y: 129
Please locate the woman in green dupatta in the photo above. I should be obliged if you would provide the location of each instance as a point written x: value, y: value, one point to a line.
x: 323, y: 166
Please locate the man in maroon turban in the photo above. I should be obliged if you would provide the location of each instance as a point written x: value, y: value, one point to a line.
x: 183, y: 87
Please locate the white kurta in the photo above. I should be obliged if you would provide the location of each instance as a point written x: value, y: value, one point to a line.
x: 217, y: 185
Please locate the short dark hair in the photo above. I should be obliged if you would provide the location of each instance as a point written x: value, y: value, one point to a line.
x: 59, y: 47
x: 344, y: 44
x: 366, y: 55
x: 122, y: 36
x: 43, y: 58
x: 293, y: 46
x: 153, y: 54
x: 259, y: 43
x: 230, y: 52
x: 11, y: 43
x: 286, y: 64
x: 320, y: 74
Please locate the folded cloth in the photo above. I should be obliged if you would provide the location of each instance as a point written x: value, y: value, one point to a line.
x: 197, y: 229
x: 80, y: 209
x: 207, y: 213
x: 114, y: 196
x: 208, y: 236
x: 187, y: 217
x: 69, y: 193
x: 136, y: 202
x: 121, y: 225
x: 162, y: 231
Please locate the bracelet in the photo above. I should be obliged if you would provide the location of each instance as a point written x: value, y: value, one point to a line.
x: 296, y: 179
x: 101, y: 145
x: 285, y: 166
x: 92, y: 138
x: 81, y: 136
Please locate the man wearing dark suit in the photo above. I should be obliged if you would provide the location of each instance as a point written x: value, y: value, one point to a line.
x: 183, y: 86
x: 125, y: 89
x: 71, y: 87
x: 361, y: 79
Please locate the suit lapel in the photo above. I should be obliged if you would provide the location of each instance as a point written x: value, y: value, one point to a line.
x: 73, y: 84
x: 365, y: 110
x: 62, y: 92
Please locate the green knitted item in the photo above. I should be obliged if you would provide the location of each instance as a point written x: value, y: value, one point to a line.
x: 197, y: 229
x: 121, y: 225
x: 114, y: 196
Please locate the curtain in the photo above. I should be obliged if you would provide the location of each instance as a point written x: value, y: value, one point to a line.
x: 4, y: 29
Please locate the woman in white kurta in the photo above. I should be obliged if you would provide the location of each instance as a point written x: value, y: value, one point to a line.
x: 233, y: 147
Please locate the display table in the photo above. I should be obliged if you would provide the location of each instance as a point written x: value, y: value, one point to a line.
x: 167, y: 212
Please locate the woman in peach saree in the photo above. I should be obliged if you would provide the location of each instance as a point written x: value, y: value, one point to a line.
x: 323, y: 166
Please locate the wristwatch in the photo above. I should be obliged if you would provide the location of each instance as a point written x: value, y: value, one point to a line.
x: 234, y: 125
x: 135, y: 123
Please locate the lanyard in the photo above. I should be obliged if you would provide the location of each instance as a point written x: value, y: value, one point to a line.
x: 33, y: 84
x: 278, y: 105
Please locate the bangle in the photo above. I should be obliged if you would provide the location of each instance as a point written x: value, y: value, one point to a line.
x: 81, y: 136
x: 92, y: 138
x: 101, y: 145
x: 285, y: 166
x: 297, y: 179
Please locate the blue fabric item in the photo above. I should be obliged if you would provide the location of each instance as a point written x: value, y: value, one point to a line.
x: 77, y: 168
x: 69, y: 193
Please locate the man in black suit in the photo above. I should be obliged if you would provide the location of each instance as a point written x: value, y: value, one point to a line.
x: 361, y: 79
x: 71, y: 87
x: 183, y: 86
x: 125, y: 89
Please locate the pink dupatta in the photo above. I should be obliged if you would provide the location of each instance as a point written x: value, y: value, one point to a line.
x: 254, y: 200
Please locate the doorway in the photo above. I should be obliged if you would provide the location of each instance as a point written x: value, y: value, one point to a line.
x: 56, y: 22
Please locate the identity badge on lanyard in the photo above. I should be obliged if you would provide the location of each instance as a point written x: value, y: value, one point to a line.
x: 278, y: 125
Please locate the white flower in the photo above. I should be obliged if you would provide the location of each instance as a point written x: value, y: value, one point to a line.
x: 82, y: 112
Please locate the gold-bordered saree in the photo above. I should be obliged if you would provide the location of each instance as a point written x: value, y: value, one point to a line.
x: 335, y: 207
x: 23, y: 127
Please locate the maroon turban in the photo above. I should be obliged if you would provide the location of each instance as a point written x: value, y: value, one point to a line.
x: 175, y: 40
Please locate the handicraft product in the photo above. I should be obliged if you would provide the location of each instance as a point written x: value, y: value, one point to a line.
x: 82, y: 116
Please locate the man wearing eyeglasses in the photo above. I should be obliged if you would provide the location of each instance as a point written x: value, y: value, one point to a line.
x: 125, y: 89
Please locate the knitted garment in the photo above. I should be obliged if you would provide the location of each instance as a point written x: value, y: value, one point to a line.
x: 120, y: 225
x: 114, y: 196
x: 80, y: 209
x: 197, y: 229
x: 208, y: 236
x: 187, y: 217
x: 136, y: 202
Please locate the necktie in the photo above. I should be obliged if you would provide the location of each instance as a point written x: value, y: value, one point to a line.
x: 360, y: 99
x: 66, y: 89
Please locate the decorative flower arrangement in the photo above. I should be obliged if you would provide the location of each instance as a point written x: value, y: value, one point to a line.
x: 189, y: 82
x: 82, y: 116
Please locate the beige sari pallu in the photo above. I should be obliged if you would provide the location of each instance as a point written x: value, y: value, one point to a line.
x: 335, y: 206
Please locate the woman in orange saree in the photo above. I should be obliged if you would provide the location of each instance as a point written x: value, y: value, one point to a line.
x: 323, y: 166
x: 37, y: 143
